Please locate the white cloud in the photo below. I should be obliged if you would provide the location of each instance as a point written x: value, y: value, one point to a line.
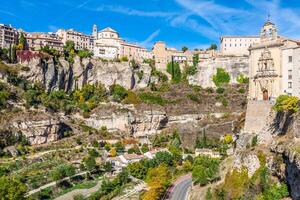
x: 7, y: 13
x: 129, y: 11
x: 52, y: 28
x: 148, y: 42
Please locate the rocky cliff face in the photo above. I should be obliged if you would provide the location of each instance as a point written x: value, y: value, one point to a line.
x: 61, y: 75
x: 205, y: 71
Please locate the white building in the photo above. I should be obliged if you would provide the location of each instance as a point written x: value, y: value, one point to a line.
x: 237, y: 45
x: 82, y: 41
x: 8, y: 36
x: 291, y: 71
x: 108, y: 45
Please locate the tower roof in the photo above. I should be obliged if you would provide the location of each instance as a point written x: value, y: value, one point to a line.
x: 108, y: 29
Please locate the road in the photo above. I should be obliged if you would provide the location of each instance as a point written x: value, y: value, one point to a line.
x: 179, y: 190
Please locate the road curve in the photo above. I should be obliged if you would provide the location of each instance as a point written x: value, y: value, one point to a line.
x: 179, y: 190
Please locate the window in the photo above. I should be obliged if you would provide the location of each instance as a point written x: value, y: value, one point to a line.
x: 290, y: 59
x: 289, y: 84
x: 102, y: 51
x: 290, y: 76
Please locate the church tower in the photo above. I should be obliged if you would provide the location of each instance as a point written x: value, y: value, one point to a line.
x: 95, y: 32
x: 268, y: 32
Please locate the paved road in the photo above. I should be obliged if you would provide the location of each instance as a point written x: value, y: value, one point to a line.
x: 180, y: 191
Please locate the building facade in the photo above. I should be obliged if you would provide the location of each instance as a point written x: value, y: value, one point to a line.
x: 237, y: 45
x: 163, y: 55
x: 81, y: 40
x: 265, y: 62
x: 8, y: 36
x: 36, y: 41
x: 109, y: 45
x: 291, y: 71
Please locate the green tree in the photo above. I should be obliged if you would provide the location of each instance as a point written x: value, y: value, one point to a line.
x: 62, y: 171
x: 84, y: 54
x: 22, y: 42
x: 195, y: 60
x: 12, y: 189
x: 242, y: 79
x: 173, y: 68
x: 145, y: 148
x: 286, y: 103
x: 205, y: 169
x: 69, y: 51
x: 222, y: 77
x: 213, y: 47
x: 184, y: 49
x: 137, y: 170
x: 89, y: 163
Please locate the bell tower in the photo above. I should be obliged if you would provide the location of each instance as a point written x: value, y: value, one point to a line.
x: 268, y: 31
x: 95, y: 32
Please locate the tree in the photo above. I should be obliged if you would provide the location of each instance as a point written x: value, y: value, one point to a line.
x: 84, y: 54
x: 242, y: 79
x: 195, y: 60
x: 113, y: 152
x: 89, y: 163
x: 62, y: 171
x: 118, y: 92
x: 145, y: 148
x: 213, y: 47
x: 13, y: 54
x: 164, y: 157
x: 22, y: 42
x: 205, y: 169
x: 12, y: 189
x: 107, y: 167
x: 286, y: 103
x: 173, y: 68
x: 184, y: 49
x: 137, y: 170
x: 222, y: 77
x: 69, y: 51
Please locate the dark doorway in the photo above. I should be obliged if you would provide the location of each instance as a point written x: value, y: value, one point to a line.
x: 265, y: 95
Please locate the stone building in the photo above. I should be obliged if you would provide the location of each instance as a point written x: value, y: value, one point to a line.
x: 163, y: 55
x: 265, y: 60
x: 81, y: 40
x: 37, y: 40
x: 109, y: 45
x: 8, y: 36
x: 237, y: 45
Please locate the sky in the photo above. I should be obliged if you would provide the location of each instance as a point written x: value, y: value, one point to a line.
x: 191, y: 23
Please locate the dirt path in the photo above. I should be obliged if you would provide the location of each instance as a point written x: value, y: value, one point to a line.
x: 83, y: 192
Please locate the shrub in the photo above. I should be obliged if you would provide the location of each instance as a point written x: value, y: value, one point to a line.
x: 119, y: 92
x: 220, y: 90
x: 84, y: 54
x: 222, y: 77
x: 286, y: 103
x: 124, y: 59
x: 254, y: 141
x: 132, y: 98
x: 210, y: 90
x: 242, y: 79
x: 12, y: 188
x: 62, y: 171
x: 242, y: 90
x: 151, y: 98
x: 194, y: 98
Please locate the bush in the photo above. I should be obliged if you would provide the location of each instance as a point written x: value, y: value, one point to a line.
x: 286, y: 103
x: 132, y: 98
x: 194, y: 98
x: 242, y: 90
x: 205, y: 170
x: 242, y: 79
x: 151, y: 98
x: 222, y: 77
x: 118, y: 92
x: 84, y: 54
x: 124, y: 59
x: 12, y: 189
x: 220, y: 90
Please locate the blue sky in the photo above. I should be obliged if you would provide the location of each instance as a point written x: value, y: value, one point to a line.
x: 192, y: 23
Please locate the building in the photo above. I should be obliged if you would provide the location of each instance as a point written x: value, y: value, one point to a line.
x: 163, y: 55
x: 291, y: 71
x: 267, y: 66
x: 237, y: 45
x: 109, y: 45
x: 207, y: 152
x: 36, y: 41
x: 81, y: 40
x: 8, y: 36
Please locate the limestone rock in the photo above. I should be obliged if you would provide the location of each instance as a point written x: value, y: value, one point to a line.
x: 250, y: 161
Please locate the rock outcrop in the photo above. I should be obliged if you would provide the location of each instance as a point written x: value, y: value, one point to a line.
x: 205, y: 71
x: 61, y: 75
